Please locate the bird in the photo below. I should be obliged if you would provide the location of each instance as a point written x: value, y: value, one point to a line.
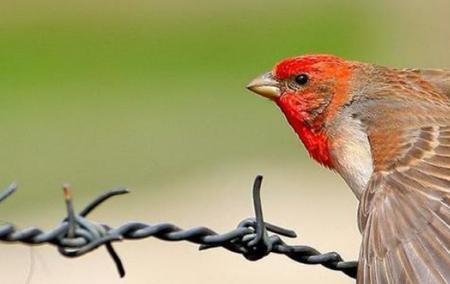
x: 386, y: 132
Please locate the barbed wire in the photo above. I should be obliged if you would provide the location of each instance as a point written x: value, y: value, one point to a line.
x: 76, y: 235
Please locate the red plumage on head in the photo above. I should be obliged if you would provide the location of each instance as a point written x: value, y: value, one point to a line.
x: 295, y: 105
x: 295, y: 65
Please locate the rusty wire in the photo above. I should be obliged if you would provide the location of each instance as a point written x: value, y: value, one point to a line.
x: 76, y: 235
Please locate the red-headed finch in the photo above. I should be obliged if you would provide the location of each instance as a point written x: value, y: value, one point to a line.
x: 387, y: 133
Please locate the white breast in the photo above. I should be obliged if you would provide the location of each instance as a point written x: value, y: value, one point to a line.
x: 351, y: 153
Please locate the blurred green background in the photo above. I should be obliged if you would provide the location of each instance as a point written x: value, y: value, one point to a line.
x: 151, y: 95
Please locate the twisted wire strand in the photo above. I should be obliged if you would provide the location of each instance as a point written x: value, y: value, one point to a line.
x: 253, y: 238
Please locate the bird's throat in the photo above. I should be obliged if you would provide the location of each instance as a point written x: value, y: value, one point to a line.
x: 314, y: 139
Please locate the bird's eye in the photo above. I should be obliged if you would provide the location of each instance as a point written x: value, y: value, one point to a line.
x: 301, y: 79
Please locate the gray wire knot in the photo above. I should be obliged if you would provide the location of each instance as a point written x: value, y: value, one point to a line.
x: 258, y: 244
x: 83, y: 235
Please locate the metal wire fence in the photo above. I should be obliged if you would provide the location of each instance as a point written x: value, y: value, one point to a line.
x: 253, y: 238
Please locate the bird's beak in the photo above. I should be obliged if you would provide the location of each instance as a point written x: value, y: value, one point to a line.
x: 265, y: 85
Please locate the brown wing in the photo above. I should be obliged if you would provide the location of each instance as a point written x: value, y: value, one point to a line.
x: 405, y: 217
x: 404, y: 214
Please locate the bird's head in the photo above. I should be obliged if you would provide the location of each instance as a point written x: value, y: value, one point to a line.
x: 309, y: 90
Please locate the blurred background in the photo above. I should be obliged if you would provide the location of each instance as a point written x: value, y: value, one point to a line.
x: 151, y: 95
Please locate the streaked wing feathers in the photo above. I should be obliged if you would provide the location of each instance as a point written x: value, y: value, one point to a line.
x: 405, y: 215
x: 436, y: 77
